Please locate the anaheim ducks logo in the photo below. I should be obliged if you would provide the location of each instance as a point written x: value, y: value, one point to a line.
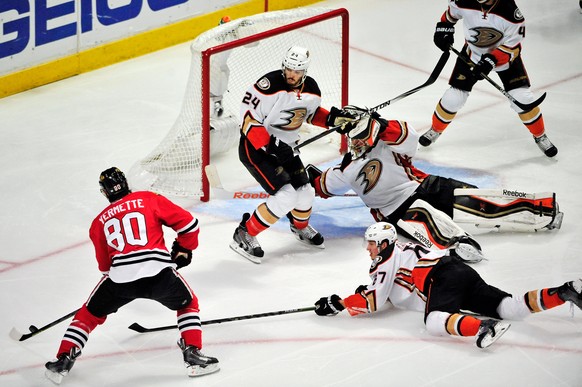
x: 370, y: 175
x: 292, y: 119
x: 485, y: 36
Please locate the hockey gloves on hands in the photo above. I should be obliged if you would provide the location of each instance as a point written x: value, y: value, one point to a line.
x: 181, y: 256
x: 345, y: 119
x: 329, y: 306
x: 314, y: 174
x: 280, y: 150
x: 444, y: 35
x: 484, y: 66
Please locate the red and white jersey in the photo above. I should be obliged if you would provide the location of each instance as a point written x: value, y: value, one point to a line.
x: 395, y: 278
x: 271, y: 107
x: 384, y: 177
x: 128, y: 235
x: 497, y: 29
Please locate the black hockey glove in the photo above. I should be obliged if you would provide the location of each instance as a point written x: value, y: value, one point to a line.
x: 361, y: 288
x: 280, y: 150
x: 484, y: 66
x: 181, y: 256
x: 328, y: 306
x: 444, y: 35
x: 345, y: 119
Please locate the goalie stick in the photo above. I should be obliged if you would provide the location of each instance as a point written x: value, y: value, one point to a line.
x: 219, y: 192
x: 526, y: 107
x: 431, y: 79
x: 140, y: 329
x: 18, y: 336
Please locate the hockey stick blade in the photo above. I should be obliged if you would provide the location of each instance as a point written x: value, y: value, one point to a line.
x: 526, y: 107
x: 431, y: 79
x: 15, y: 334
x: 141, y: 329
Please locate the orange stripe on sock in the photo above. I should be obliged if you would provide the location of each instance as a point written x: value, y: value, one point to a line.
x: 462, y: 325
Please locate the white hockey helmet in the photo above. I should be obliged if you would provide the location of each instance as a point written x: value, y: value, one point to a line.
x: 381, y: 232
x: 297, y: 58
x: 363, y: 136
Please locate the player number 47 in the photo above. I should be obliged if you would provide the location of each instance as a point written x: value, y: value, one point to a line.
x: 250, y: 99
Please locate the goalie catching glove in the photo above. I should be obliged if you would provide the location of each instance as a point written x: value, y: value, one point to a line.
x: 341, y: 118
x: 181, y: 256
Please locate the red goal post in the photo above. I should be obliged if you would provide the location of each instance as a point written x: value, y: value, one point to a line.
x: 226, y: 60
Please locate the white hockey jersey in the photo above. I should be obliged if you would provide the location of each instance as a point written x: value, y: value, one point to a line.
x: 395, y: 278
x: 271, y: 104
x: 497, y: 29
x: 383, y: 178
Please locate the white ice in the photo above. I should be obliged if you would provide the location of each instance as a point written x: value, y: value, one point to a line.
x: 56, y: 139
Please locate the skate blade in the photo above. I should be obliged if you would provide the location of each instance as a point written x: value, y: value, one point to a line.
x: 490, y: 339
x: 194, y: 371
x: 236, y: 248
x: 54, y: 377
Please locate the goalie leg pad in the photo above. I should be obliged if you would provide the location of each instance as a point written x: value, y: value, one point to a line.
x: 507, y: 210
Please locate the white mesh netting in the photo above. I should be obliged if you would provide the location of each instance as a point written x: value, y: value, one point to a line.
x: 174, y: 167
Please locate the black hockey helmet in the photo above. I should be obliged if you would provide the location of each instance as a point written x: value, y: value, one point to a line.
x: 113, y: 184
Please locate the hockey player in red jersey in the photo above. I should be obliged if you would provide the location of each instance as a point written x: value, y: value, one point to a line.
x: 272, y: 113
x: 132, y: 255
x: 493, y: 32
x: 411, y: 277
x: 380, y: 169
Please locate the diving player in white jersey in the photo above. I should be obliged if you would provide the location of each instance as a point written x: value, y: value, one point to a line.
x: 411, y: 277
x: 493, y: 32
x: 379, y: 169
x: 272, y: 113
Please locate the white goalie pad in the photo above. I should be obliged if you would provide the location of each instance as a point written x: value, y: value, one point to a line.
x: 437, y: 231
x: 507, y: 210
x: 431, y: 227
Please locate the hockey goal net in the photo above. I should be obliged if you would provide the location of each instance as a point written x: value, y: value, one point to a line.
x: 226, y: 60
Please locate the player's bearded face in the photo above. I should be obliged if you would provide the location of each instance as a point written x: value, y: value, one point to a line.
x: 293, y: 77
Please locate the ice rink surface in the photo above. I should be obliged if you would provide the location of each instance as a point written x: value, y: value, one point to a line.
x: 55, y: 140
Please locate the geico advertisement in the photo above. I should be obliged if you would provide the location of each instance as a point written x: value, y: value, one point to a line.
x: 37, y: 31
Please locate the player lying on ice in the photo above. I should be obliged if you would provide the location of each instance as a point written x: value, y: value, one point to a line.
x: 412, y: 277
x: 379, y: 169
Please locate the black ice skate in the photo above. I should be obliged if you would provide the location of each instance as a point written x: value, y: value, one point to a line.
x: 244, y: 244
x: 197, y: 363
x: 490, y: 331
x: 56, y: 370
x: 307, y: 235
x: 546, y: 145
x: 466, y: 248
x: 429, y: 137
x: 572, y: 291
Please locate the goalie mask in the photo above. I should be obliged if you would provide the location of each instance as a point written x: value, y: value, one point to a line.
x: 113, y: 184
x: 381, y: 232
x: 363, y: 136
x: 297, y: 58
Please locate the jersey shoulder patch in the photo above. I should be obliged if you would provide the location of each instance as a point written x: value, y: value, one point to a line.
x: 271, y: 83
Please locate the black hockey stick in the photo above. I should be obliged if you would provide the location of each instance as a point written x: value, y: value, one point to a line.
x: 138, y: 328
x: 16, y: 335
x: 431, y: 79
x: 526, y: 107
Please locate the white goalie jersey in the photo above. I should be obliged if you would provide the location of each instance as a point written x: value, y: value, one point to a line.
x: 383, y: 178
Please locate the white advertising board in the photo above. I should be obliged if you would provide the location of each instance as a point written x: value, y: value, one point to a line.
x: 37, y: 31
